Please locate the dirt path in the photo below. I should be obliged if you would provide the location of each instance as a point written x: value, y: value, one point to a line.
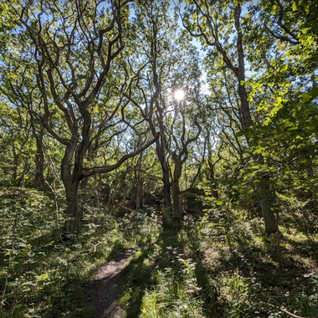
x: 104, y: 291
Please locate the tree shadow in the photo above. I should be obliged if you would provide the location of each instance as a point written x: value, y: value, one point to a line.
x: 173, y: 246
x: 139, y: 273
x: 209, y: 292
x: 101, y: 294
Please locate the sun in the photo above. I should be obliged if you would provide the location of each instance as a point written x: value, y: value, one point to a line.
x: 179, y: 94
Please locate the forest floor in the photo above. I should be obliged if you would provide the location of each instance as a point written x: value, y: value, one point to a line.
x: 104, y: 291
x: 219, y: 264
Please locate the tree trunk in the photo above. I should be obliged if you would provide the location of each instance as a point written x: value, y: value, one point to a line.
x: 264, y: 188
x: 71, y: 179
x: 313, y: 197
x: 160, y: 149
x: 98, y: 185
x: 73, y: 213
x: 139, y: 184
x: 178, y: 215
x: 139, y: 191
x: 84, y: 183
x: 39, y: 179
x: 212, y: 179
x: 21, y: 179
x: 266, y: 204
x: 167, y: 213
x: 15, y: 166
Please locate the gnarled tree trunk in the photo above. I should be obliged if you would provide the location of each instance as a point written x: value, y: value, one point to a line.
x: 74, y: 214
x: 178, y: 215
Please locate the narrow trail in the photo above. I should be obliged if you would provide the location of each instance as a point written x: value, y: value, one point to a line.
x: 103, y: 292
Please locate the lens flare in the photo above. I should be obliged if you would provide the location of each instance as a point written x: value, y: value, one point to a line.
x: 179, y: 94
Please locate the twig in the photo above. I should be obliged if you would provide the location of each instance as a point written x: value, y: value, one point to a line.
x: 126, y: 208
x: 283, y: 310
x: 96, y: 246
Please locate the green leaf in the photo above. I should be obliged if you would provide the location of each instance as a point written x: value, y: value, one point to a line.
x: 311, y: 95
x: 306, y: 97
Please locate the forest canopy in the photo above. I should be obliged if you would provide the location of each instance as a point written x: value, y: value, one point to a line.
x: 88, y: 101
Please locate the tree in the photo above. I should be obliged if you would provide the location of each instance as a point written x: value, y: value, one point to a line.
x: 213, y: 24
x: 286, y: 54
x: 165, y: 65
x: 77, y: 48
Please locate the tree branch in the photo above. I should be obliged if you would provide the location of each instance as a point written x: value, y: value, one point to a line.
x: 89, y: 172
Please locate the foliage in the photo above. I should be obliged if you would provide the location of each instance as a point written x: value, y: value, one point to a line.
x: 41, y: 274
x: 220, y: 267
x: 209, y: 270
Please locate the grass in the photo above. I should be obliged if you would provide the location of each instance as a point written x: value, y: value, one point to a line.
x: 162, y: 282
x: 206, y: 269
x: 210, y: 267
x: 43, y: 276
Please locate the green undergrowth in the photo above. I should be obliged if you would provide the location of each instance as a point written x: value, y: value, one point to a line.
x: 218, y: 265
x: 42, y: 275
x: 225, y: 267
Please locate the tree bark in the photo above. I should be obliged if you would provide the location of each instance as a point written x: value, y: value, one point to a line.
x: 139, y: 184
x: 167, y: 213
x: 266, y: 205
x: 71, y: 179
x: 15, y: 166
x: 74, y: 215
x: 139, y: 191
x: 39, y: 179
x: 178, y: 215
x: 313, y: 197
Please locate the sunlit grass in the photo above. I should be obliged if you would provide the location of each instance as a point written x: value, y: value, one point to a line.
x: 40, y: 274
x: 211, y: 267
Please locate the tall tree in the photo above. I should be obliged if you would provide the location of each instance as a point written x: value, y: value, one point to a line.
x: 167, y: 66
x: 285, y: 41
x: 77, y: 47
x: 213, y: 23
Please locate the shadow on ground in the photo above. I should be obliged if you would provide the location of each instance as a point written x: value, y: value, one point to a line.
x: 102, y: 293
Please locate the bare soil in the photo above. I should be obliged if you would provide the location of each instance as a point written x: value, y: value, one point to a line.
x: 103, y: 292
